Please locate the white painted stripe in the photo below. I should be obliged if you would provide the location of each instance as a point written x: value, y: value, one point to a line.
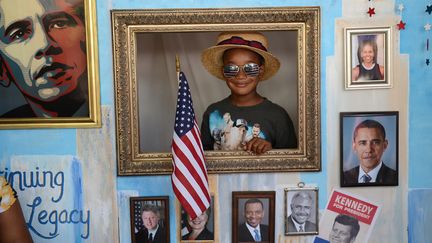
x: 190, y: 157
x: 185, y: 193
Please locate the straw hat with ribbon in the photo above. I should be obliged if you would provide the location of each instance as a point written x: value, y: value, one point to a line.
x: 254, y: 41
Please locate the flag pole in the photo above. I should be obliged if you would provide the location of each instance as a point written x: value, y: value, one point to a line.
x: 177, y: 64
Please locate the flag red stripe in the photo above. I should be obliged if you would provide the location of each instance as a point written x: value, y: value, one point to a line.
x: 182, y: 184
x: 191, y: 203
x: 191, y: 167
x: 192, y: 170
x: 191, y: 190
x: 189, y: 159
x: 184, y: 202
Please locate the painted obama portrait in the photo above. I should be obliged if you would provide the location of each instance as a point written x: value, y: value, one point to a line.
x: 43, y: 57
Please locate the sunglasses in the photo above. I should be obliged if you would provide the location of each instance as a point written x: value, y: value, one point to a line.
x: 232, y: 70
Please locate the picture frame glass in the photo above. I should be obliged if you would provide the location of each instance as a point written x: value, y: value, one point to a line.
x: 301, y: 211
x: 368, y: 53
x: 204, y: 224
x: 253, y: 210
x: 160, y: 47
x: 149, y: 215
x: 369, y: 148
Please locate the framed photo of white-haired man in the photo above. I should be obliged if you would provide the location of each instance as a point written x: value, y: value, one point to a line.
x: 368, y: 58
x: 369, y: 148
x: 301, y: 211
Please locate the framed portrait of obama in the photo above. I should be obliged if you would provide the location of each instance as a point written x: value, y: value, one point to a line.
x: 49, y: 64
x: 276, y: 130
x: 369, y: 148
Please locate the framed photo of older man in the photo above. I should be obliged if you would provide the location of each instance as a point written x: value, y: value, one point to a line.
x: 369, y: 148
x: 149, y: 219
x: 301, y: 211
x: 253, y: 216
x: 49, y: 64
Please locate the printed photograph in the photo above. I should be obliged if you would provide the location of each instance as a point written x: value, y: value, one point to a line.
x: 369, y: 148
x: 201, y: 229
x: 253, y: 216
x: 367, y: 58
x: 149, y: 219
x: 301, y: 211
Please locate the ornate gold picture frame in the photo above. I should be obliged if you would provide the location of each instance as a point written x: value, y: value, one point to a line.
x: 51, y: 81
x: 143, y: 122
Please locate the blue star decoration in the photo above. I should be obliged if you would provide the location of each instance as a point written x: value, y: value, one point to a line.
x: 429, y: 9
x: 427, y: 61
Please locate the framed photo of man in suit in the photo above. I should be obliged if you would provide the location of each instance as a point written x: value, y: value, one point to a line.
x: 369, y: 148
x: 301, y: 211
x: 149, y: 219
x: 253, y: 216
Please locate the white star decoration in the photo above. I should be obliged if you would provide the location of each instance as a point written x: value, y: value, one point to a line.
x: 427, y: 27
x: 401, y: 7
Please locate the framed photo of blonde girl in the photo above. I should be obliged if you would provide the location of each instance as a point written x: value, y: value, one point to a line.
x: 368, y: 58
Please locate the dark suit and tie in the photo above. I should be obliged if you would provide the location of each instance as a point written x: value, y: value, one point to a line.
x: 143, y: 236
x: 308, y: 226
x: 244, y: 235
x: 369, y: 144
x: 385, y: 176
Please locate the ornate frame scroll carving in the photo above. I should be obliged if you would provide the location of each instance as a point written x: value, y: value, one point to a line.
x: 305, y: 20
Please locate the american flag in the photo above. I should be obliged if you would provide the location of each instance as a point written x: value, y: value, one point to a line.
x: 189, y: 177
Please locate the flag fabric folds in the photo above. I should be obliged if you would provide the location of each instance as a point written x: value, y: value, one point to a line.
x: 189, y: 177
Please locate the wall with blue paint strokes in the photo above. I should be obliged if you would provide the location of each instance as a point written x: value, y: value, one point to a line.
x: 414, y: 42
x: 86, y: 156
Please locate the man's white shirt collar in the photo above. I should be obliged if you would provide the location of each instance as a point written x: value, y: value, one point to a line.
x: 153, y: 231
x: 297, y: 225
x: 252, y: 229
x: 373, y: 173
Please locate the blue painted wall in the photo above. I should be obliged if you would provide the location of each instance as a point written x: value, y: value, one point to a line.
x: 413, y: 42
